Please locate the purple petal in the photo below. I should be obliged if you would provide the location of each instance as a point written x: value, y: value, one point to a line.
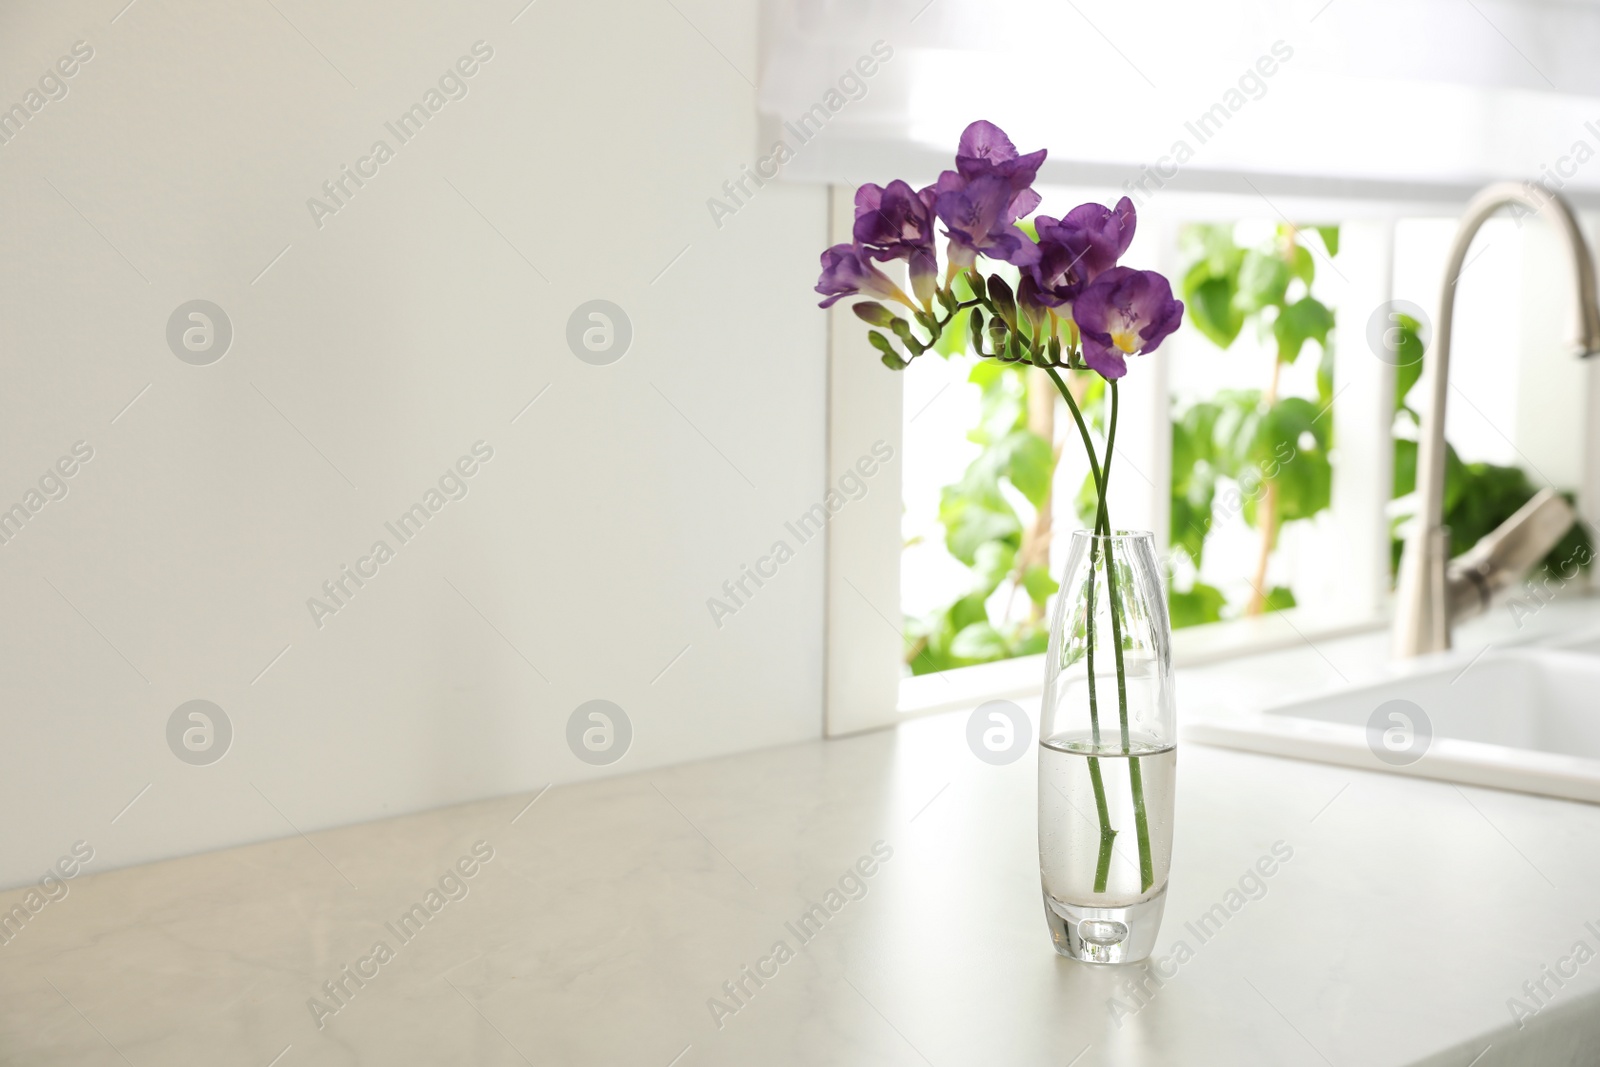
x: 984, y: 143
x: 1124, y: 312
x: 894, y: 222
x: 1104, y: 360
x: 848, y: 270
x: 1106, y: 232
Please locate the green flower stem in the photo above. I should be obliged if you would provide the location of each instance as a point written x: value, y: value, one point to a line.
x: 1135, y: 775
x: 1108, y: 835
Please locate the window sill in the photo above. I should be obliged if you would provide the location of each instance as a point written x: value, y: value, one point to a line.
x: 1193, y: 646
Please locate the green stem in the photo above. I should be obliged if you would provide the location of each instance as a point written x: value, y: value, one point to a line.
x: 1135, y: 774
x: 1108, y: 836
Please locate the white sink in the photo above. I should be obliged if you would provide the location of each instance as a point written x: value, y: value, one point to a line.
x: 1526, y: 719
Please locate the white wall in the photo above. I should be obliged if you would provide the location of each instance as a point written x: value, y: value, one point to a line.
x: 375, y: 352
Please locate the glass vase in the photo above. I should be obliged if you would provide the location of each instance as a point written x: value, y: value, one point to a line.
x: 1107, y: 752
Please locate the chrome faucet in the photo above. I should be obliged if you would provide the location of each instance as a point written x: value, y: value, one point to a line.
x: 1433, y: 592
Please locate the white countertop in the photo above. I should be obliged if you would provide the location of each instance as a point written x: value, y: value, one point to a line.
x: 612, y: 912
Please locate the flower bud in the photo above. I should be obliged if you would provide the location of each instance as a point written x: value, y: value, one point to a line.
x: 872, y: 313
x: 1004, y: 302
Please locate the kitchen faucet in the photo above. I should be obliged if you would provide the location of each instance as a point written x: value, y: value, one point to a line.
x: 1433, y: 591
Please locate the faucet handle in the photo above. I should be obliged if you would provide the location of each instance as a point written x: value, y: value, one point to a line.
x: 1505, y: 553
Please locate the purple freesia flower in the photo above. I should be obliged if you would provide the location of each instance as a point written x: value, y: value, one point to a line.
x: 1076, y: 249
x: 1124, y: 312
x: 847, y: 270
x: 985, y: 149
x: 895, y: 222
x: 1103, y: 233
x: 981, y: 200
x: 1061, y: 272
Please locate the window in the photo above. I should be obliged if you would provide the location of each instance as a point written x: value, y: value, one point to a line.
x: 1454, y: 97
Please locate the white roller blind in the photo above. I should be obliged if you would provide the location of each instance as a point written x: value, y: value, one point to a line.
x: 1408, y: 99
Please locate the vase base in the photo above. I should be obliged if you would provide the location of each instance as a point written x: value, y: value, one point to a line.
x: 1105, y: 935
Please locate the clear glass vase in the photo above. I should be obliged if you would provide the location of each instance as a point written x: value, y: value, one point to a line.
x: 1107, y: 752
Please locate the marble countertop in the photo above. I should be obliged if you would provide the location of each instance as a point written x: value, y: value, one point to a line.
x: 655, y: 920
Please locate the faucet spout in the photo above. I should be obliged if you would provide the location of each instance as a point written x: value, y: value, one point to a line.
x: 1424, y: 604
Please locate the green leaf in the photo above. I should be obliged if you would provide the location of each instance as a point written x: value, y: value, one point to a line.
x: 979, y: 643
x: 1291, y: 449
x: 1405, y: 467
x: 1325, y: 377
x: 1200, y: 605
x: 1194, y: 477
x: 1302, y: 266
x: 1039, y: 585
x: 972, y: 520
x: 1408, y: 355
x: 991, y: 564
x: 1263, y: 281
x: 1305, y: 487
x: 1192, y: 440
x: 1191, y: 520
x: 1278, y: 598
x: 1330, y: 239
x: 974, y: 511
x: 1002, y: 407
x: 1307, y: 319
x: 1212, y: 244
x: 968, y: 610
x: 1031, y: 465
x: 1234, y: 430
x: 1210, y: 304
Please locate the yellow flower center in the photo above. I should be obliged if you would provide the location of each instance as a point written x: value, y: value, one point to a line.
x: 1127, y: 340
